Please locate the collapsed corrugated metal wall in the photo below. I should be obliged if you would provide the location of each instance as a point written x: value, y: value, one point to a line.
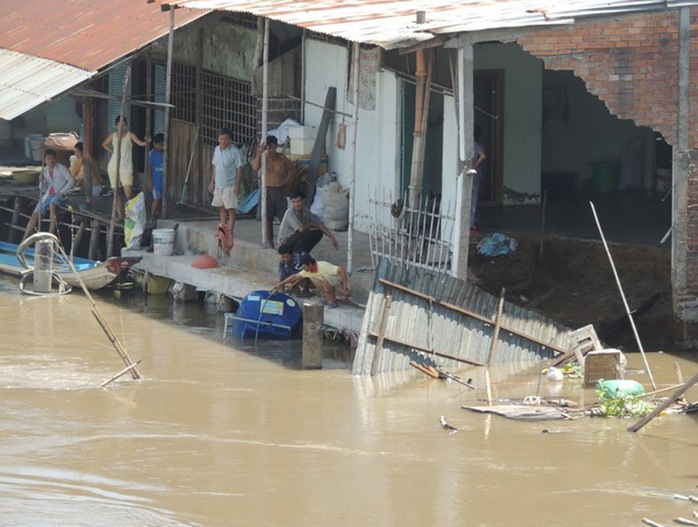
x: 413, y: 313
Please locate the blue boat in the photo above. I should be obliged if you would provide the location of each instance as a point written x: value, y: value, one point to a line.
x: 267, y: 314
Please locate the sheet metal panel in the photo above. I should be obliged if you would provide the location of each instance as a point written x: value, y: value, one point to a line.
x: 393, y: 23
x: 49, y: 47
x: 28, y: 81
x: 87, y: 34
x: 427, y: 325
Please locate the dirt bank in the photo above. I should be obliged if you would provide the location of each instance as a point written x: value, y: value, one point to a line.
x: 573, y: 283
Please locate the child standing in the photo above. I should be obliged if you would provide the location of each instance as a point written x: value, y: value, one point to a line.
x: 155, y: 175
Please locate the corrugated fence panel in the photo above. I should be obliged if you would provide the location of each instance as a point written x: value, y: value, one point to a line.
x: 428, y: 317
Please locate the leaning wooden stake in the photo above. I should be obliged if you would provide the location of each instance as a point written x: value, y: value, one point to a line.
x: 497, y: 325
x: 622, y: 294
x: 385, y: 312
x: 125, y: 370
x: 654, y: 413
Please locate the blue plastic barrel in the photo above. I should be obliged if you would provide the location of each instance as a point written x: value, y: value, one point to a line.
x: 267, y: 314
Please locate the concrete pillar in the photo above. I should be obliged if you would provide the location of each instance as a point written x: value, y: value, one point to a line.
x: 43, y: 266
x: 684, y: 234
x: 313, y: 319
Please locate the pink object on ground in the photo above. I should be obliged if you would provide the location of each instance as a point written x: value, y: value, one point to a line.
x: 204, y: 261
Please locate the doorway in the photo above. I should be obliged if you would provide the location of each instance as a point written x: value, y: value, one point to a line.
x: 488, y: 101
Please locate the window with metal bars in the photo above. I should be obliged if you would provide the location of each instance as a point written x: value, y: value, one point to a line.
x: 225, y: 102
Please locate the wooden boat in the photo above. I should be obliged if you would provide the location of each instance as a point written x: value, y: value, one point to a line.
x: 94, y: 275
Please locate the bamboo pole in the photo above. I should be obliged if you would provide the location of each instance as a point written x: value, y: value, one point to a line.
x: 622, y: 294
x: 356, y: 54
x: 659, y: 409
x: 117, y: 153
x: 497, y: 325
x: 102, y: 322
x: 125, y: 370
x: 166, y: 161
x: 385, y: 311
x: 265, y: 126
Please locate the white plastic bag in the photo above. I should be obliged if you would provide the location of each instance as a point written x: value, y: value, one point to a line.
x: 135, y: 221
x: 335, y: 203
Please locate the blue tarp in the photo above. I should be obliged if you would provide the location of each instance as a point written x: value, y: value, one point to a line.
x: 249, y: 203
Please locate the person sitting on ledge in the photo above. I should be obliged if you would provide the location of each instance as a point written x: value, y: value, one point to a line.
x: 318, y: 272
x: 57, y: 180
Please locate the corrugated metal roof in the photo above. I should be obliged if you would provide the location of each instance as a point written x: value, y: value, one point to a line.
x: 58, y: 45
x: 28, y: 81
x: 393, y: 23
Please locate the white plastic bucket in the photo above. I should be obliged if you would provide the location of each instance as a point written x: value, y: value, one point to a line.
x: 163, y: 241
x: 34, y: 147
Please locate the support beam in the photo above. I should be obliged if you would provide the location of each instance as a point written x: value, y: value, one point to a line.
x: 464, y: 185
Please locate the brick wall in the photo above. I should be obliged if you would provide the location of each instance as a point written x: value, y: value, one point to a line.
x: 630, y: 63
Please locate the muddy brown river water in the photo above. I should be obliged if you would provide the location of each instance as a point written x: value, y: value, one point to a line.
x: 221, y: 433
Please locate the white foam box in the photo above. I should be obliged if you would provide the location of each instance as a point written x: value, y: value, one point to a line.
x: 602, y: 365
x: 302, y: 132
x: 302, y: 139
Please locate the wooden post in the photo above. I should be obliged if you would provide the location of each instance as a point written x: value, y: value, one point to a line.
x: 313, y: 320
x: 385, y: 311
x: 15, y: 217
x: 497, y: 325
x: 94, y: 239
x: 659, y: 409
x: 78, y: 237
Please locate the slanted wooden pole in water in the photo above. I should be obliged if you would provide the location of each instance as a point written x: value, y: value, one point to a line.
x: 659, y: 409
x: 497, y: 325
x: 622, y: 294
x: 313, y: 320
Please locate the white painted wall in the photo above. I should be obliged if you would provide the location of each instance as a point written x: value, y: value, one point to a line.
x: 523, y: 82
x: 377, y: 148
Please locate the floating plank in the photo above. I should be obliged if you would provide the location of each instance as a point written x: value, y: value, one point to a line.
x: 521, y: 412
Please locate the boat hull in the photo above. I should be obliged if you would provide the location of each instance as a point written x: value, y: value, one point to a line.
x: 95, y: 275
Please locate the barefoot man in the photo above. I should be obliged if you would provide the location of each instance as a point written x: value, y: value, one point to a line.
x: 279, y: 174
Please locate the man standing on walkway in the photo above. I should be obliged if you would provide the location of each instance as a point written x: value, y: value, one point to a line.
x: 279, y: 174
x: 301, y: 229
x: 226, y: 174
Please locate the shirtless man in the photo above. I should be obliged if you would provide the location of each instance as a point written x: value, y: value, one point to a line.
x: 279, y: 173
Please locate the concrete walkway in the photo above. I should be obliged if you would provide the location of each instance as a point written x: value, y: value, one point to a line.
x: 252, y: 267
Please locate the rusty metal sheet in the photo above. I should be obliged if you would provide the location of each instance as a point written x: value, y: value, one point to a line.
x: 87, y: 34
x: 47, y: 48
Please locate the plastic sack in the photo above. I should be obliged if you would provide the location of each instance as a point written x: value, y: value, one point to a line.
x: 317, y: 206
x: 335, y: 204
x: 135, y: 221
x: 497, y: 244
